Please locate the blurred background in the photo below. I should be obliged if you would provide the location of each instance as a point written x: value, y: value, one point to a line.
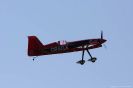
x: 53, y: 20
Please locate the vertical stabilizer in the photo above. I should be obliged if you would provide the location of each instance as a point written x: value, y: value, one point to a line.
x: 33, y: 45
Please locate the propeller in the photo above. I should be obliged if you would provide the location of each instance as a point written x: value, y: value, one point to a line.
x: 101, y: 34
x: 102, y: 38
x: 104, y: 46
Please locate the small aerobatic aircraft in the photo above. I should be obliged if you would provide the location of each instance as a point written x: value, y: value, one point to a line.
x: 36, y: 48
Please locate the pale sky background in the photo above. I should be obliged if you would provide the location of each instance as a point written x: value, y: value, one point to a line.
x: 53, y: 20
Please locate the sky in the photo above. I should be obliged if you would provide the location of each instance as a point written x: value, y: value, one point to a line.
x: 53, y: 20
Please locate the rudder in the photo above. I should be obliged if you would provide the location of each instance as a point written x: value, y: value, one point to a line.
x: 33, y: 44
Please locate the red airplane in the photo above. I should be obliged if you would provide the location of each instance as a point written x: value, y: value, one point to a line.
x: 36, y: 48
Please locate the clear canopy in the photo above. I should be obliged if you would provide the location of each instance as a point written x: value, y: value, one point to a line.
x: 62, y: 42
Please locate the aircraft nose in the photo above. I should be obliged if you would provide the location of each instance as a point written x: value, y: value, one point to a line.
x: 104, y: 40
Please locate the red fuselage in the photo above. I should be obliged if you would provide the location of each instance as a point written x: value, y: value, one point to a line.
x: 36, y: 48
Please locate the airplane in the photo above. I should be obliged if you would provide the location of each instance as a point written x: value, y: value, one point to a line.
x: 36, y: 48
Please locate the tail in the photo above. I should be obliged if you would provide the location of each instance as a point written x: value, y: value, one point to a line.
x: 33, y: 45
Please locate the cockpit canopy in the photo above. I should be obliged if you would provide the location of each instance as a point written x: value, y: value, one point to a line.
x: 62, y: 42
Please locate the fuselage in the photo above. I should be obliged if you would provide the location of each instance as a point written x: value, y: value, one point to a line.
x: 57, y: 47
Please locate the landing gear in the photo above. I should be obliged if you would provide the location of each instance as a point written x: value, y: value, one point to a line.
x: 82, y: 61
x: 34, y: 58
x: 92, y: 59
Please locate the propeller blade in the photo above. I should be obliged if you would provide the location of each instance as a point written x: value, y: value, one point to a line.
x: 104, y: 46
x: 101, y: 34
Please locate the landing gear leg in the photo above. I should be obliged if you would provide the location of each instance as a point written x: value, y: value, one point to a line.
x: 82, y: 61
x: 93, y: 59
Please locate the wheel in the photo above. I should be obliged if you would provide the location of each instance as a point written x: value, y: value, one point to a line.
x: 93, y: 59
x: 81, y: 62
